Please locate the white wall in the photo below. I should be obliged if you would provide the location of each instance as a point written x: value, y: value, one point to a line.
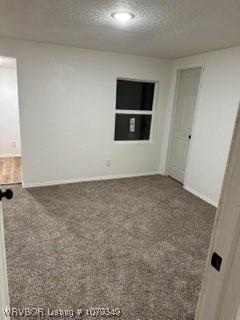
x: 9, y: 114
x: 214, y: 121
x: 67, y: 102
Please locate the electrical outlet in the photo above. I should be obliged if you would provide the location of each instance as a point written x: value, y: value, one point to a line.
x: 108, y: 163
x: 13, y: 144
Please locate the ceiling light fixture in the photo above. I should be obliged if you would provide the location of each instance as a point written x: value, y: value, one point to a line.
x: 123, y: 16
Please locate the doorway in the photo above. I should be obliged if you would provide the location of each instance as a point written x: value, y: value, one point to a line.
x: 10, y: 145
x: 188, y: 81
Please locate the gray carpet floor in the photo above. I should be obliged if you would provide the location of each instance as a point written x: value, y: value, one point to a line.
x: 139, y: 244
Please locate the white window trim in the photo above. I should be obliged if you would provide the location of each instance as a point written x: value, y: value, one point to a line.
x: 120, y: 111
x: 147, y: 112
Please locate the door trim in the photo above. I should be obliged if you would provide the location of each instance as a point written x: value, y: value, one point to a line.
x: 173, y: 116
x: 4, y: 292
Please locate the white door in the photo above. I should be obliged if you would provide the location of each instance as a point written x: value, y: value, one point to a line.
x: 186, y: 98
x: 4, y: 297
x: 220, y: 293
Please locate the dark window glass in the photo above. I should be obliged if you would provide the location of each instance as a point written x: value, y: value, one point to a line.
x: 132, y: 126
x: 134, y: 95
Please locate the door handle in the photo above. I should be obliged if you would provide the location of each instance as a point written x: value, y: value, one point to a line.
x: 190, y: 136
x: 8, y: 194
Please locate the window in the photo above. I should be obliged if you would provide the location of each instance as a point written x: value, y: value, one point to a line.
x: 134, y: 108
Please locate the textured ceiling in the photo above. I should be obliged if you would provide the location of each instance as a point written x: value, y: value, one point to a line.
x: 161, y: 28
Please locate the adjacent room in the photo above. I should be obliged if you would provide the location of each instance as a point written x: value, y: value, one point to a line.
x: 10, y: 145
x: 126, y: 111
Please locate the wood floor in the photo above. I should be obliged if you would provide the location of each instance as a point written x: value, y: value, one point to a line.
x: 10, y: 170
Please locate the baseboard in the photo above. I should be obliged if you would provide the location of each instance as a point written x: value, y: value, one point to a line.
x: 68, y: 181
x: 26, y: 185
x: 201, y: 196
x: 9, y: 155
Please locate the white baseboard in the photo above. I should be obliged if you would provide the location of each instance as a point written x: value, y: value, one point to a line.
x: 201, y: 196
x: 109, y: 177
x: 9, y: 155
x: 76, y: 180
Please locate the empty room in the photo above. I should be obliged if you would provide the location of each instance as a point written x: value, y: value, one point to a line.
x: 118, y: 159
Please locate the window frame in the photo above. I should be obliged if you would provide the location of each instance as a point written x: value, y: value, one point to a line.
x: 137, y: 112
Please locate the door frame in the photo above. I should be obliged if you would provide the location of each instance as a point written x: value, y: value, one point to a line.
x: 4, y: 292
x: 173, y: 115
x: 4, y: 287
x: 19, y: 119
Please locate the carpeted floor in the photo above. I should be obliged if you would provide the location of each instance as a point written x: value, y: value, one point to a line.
x: 139, y: 244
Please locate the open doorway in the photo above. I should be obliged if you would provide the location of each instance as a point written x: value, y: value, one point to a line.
x: 186, y: 95
x: 10, y: 143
